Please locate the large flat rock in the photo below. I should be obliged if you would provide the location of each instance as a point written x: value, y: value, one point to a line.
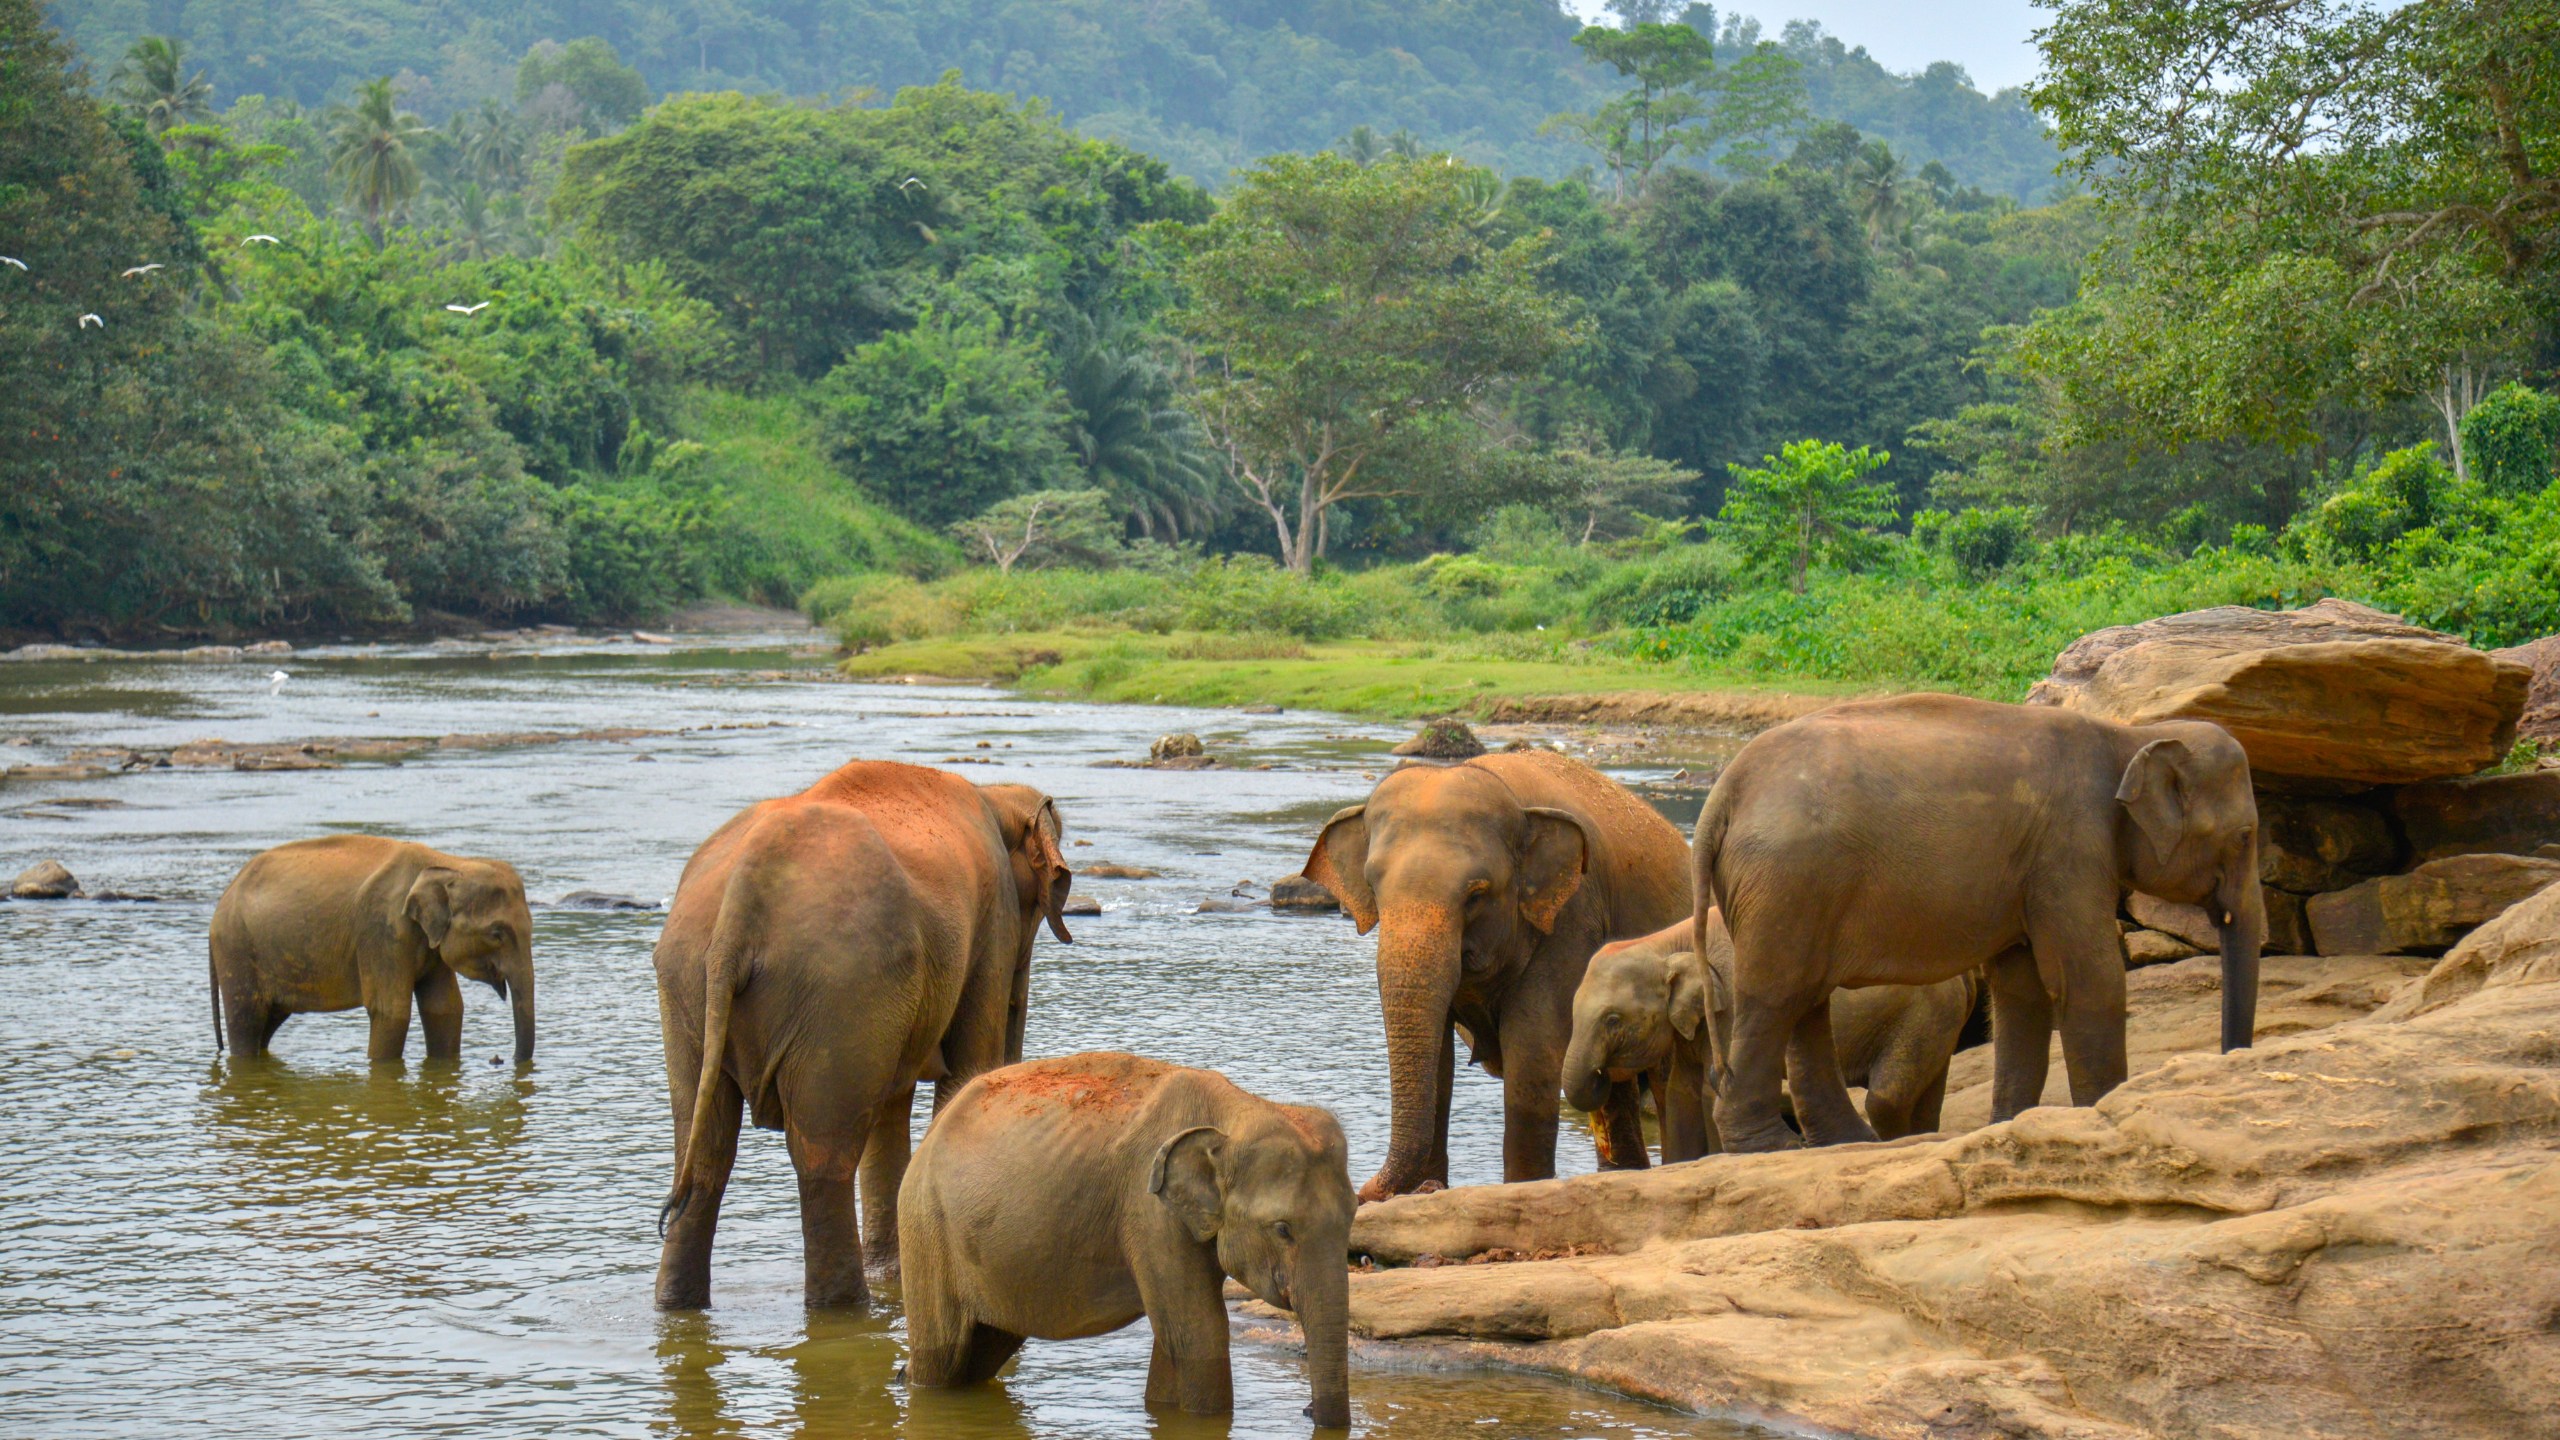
x: 2333, y: 695
x: 2426, y: 910
x: 2349, y: 1230
x: 2482, y: 815
x: 2542, y: 702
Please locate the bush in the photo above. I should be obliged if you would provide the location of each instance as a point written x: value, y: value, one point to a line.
x: 871, y: 610
x: 1664, y: 589
x: 1983, y: 541
x: 2510, y: 438
x: 1249, y: 592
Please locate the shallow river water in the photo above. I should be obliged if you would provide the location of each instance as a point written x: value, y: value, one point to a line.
x: 310, y: 1246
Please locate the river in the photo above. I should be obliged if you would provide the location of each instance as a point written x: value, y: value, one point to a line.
x: 310, y: 1246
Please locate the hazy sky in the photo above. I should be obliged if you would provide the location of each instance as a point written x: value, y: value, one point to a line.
x: 1989, y: 38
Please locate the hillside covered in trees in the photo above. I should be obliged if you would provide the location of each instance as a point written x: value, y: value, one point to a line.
x: 1207, y: 85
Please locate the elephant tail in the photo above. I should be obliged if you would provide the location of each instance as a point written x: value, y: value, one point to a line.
x: 722, y: 971
x: 1712, y: 821
x: 213, y: 981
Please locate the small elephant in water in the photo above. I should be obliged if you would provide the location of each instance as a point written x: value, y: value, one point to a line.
x: 1065, y: 1198
x: 349, y: 920
x: 1914, y: 839
x: 826, y: 952
x: 1489, y: 884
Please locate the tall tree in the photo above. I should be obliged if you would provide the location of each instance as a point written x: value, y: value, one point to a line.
x: 1129, y: 432
x: 1809, y: 501
x: 369, y: 154
x: 153, y: 79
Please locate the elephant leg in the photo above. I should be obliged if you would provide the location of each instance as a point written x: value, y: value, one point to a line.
x: 1813, y: 1077
x: 1435, y: 1175
x: 1927, y: 1106
x: 945, y: 1346
x: 1532, y: 1093
x: 390, y: 1035
x: 1888, y: 1109
x: 884, y: 1168
x: 2090, y: 962
x: 2021, y: 1034
x: 1186, y: 1307
x: 684, y: 1258
x: 830, y: 1219
x: 439, y: 998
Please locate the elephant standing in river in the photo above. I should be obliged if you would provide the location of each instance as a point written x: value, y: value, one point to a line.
x: 1066, y: 1198
x: 349, y: 920
x: 824, y: 953
x: 1909, y: 840
x: 1490, y: 884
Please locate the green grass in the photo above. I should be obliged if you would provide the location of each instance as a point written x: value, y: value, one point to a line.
x: 793, y: 520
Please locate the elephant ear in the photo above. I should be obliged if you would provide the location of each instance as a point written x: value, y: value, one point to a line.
x: 1189, y: 1176
x: 1040, y: 847
x: 1340, y: 863
x: 1688, y: 1008
x: 430, y: 904
x: 2154, y: 793
x: 1554, y: 851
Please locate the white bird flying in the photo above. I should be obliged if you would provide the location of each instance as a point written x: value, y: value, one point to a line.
x: 92, y: 322
x: 13, y: 260
x: 912, y: 180
x: 142, y: 269
x: 260, y: 240
x: 275, y: 682
x: 468, y: 309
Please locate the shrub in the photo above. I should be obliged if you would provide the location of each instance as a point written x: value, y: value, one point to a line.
x: 1249, y: 592
x: 1664, y: 589
x: 870, y: 610
x: 2510, y: 438
x: 1983, y: 541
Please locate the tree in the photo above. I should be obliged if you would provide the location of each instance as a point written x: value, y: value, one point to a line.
x: 369, y: 154
x: 152, y: 79
x: 606, y: 93
x: 946, y: 419
x: 1607, y: 494
x: 1672, y: 66
x: 2320, y: 201
x: 1129, y: 432
x: 1809, y: 501
x: 2513, y: 437
x: 1044, y: 527
x: 1338, y: 312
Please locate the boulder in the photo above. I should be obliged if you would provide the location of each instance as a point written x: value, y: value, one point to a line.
x: 2427, y: 909
x: 2288, y: 923
x: 2358, y: 1219
x: 2335, y: 695
x: 2310, y: 845
x: 1118, y: 872
x: 1184, y: 746
x: 2186, y: 922
x: 1446, y: 738
x: 2483, y: 815
x: 603, y: 900
x: 1081, y: 905
x: 2154, y: 947
x: 2542, y: 700
x: 1297, y: 892
x: 44, y: 880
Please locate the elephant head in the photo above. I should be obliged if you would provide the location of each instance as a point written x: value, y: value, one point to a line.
x: 1631, y: 1004
x: 1273, y: 1190
x: 474, y: 918
x: 1033, y: 833
x: 1461, y: 880
x: 2187, y: 831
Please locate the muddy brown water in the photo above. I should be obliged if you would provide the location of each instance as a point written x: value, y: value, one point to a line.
x: 308, y: 1245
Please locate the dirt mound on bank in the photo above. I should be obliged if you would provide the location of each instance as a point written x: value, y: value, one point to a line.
x: 2350, y: 1230
x: 1722, y: 712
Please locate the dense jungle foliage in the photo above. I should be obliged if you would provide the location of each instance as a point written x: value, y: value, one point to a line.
x: 1209, y: 86
x: 1728, y: 385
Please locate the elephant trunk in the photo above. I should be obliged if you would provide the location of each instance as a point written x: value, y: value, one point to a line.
x: 1322, y: 1292
x: 520, y: 994
x: 2243, y: 918
x: 1417, y: 978
x: 1586, y: 1086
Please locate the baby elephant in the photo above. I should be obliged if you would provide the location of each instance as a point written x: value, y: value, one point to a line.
x: 351, y: 920
x: 1648, y: 1004
x: 1065, y: 1198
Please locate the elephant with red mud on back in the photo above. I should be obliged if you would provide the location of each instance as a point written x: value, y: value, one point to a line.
x: 825, y: 952
x: 1490, y: 884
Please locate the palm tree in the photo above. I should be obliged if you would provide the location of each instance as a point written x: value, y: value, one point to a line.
x: 369, y: 153
x: 149, y: 79
x: 494, y: 144
x: 1135, y: 443
x: 1361, y: 147
x: 1882, y: 192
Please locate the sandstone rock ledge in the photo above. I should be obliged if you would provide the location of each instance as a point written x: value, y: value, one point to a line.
x: 2346, y: 1231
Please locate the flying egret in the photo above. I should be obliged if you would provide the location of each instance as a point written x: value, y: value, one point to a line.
x: 912, y: 180
x: 13, y: 260
x: 92, y: 322
x: 260, y: 240
x: 142, y: 269
x: 468, y: 309
x: 275, y: 682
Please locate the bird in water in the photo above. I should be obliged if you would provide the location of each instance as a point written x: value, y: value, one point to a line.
x: 275, y: 682
x: 92, y: 322
x: 142, y: 269
x: 468, y: 309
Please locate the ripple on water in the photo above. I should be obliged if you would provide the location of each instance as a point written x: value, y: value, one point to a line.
x: 306, y: 1245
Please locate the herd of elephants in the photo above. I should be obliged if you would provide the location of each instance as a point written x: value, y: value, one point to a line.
x: 827, y: 951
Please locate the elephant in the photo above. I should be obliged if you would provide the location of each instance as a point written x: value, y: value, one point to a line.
x: 1490, y: 883
x: 1909, y: 840
x: 348, y: 920
x: 1065, y: 1198
x: 826, y: 952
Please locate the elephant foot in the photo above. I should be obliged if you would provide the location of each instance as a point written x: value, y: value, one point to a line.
x: 1381, y: 1188
x: 1775, y: 1136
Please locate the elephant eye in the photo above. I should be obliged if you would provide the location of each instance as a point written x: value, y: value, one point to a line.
x: 1281, y: 1229
x: 1610, y: 1019
x: 497, y: 932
